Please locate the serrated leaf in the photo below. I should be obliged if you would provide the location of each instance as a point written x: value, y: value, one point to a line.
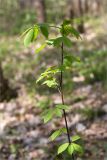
x: 77, y: 148
x: 44, y: 29
x: 55, y: 134
x: 75, y: 138
x: 40, y: 48
x: 28, y: 37
x: 62, y: 106
x: 71, y: 149
x: 63, y: 147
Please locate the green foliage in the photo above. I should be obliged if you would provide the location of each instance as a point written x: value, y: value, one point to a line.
x: 63, y: 147
x: 69, y: 30
x: 71, y: 148
x: 62, y: 106
x: 30, y: 35
x: 48, y: 114
x: 75, y: 138
x: 28, y: 38
x: 48, y: 77
x: 51, y: 82
x: 77, y: 148
x: 58, y: 133
x: 44, y: 29
x: 40, y: 48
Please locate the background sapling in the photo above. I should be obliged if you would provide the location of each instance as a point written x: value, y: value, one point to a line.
x: 53, y: 76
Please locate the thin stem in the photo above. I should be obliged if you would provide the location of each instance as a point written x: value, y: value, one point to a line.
x: 62, y: 96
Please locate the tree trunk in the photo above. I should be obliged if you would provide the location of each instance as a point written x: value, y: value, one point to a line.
x: 41, y: 11
x: 81, y: 25
x: 70, y: 10
x: 22, y: 4
x: 86, y: 6
x: 6, y: 93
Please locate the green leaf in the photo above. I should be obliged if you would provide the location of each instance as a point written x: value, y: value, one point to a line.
x: 67, y: 41
x: 48, y: 116
x: 58, y: 112
x: 65, y: 30
x: 72, y: 58
x: 77, y: 148
x: 36, y: 32
x: 64, y: 130
x: 55, y: 134
x: 71, y: 149
x: 62, y: 106
x: 63, y: 39
x: 50, y: 41
x: 50, y: 83
x: 28, y: 37
x: 66, y: 22
x: 40, y: 48
x: 44, y: 29
x: 75, y: 138
x: 48, y: 74
x: 75, y: 33
x: 63, y: 147
x: 58, y: 41
x: 40, y: 78
x: 26, y: 31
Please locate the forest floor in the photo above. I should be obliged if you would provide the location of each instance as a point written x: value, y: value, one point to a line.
x: 23, y: 136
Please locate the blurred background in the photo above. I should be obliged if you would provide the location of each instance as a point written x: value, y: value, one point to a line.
x: 23, y: 136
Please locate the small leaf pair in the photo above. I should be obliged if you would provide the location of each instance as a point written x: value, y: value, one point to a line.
x: 71, y: 148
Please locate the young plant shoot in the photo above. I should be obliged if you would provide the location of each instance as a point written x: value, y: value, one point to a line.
x: 49, y: 77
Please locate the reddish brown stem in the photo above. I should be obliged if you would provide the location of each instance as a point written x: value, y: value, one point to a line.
x: 62, y: 96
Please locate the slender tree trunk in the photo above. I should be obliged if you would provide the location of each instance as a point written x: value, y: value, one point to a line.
x: 22, y: 4
x: 86, y: 6
x: 3, y: 85
x: 71, y: 9
x: 6, y: 92
x: 41, y: 11
x: 81, y: 25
